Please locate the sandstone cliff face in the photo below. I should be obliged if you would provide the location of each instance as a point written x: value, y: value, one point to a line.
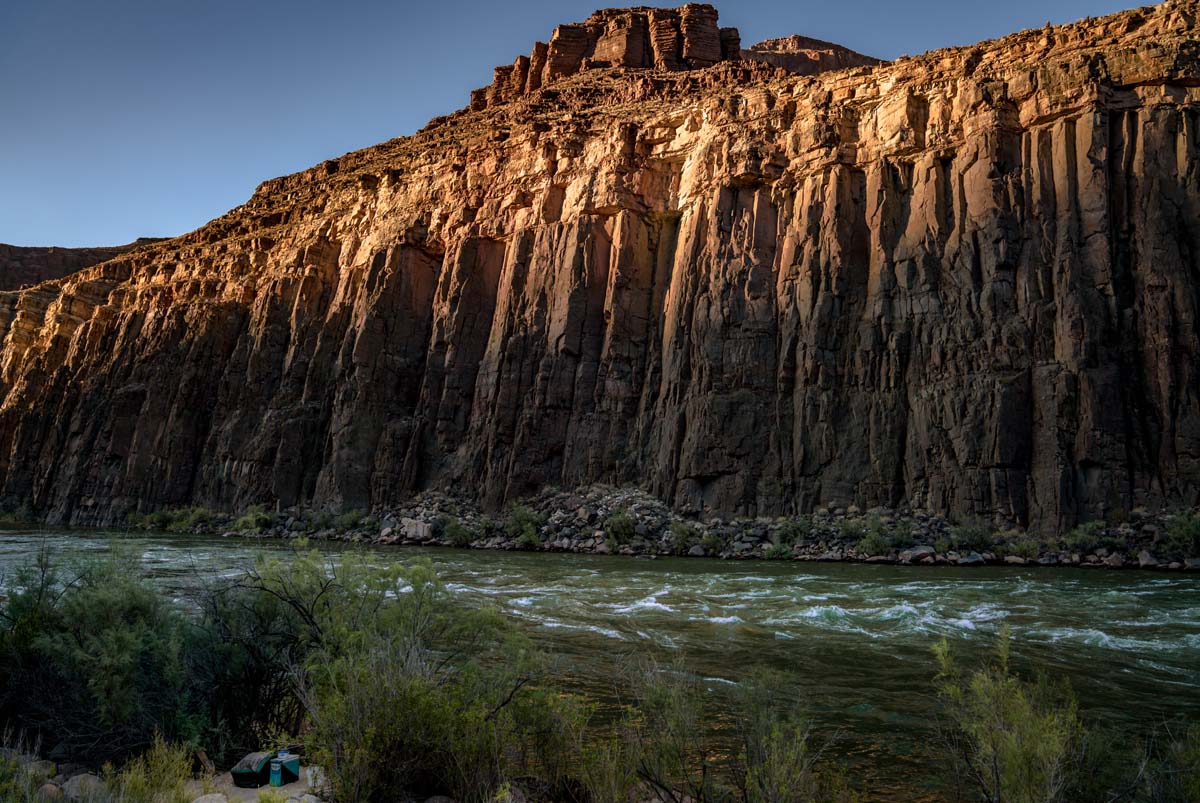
x: 670, y: 39
x: 22, y: 266
x: 968, y: 281
x: 806, y: 56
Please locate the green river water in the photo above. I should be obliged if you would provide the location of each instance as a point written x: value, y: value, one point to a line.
x: 855, y: 638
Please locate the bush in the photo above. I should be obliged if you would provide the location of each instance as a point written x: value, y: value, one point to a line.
x: 777, y: 760
x: 795, y: 531
x: 658, y: 745
x: 173, y: 520
x: 254, y: 520
x: 457, y: 534
x: 620, y: 528
x: 778, y: 552
x: 670, y: 755
x: 21, y: 517
x: 712, y: 543
x: 95, y: 661
x: 160, y: 775
x: 1022, y: 546
x: 971, y: 536
x: 1014, y: 740
x: 681, y: 537
x: 348, y: 520
x: 1087, y: 538
x: 903, y: 535
x: 1183, y: 536
x: 523, y: 525
x: 443, y: 726
x: 874, y: 543
x: 852, y: 530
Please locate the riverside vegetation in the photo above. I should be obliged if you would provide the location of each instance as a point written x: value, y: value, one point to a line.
x: 605, y: 520
x: 400, y: 692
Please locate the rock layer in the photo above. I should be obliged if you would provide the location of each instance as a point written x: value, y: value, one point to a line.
x: 805, y: 56
x: 967, y: 282
x: 21, y: 266
x: 670, y: 39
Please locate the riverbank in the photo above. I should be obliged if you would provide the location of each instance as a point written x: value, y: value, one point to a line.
x: 603, y: 520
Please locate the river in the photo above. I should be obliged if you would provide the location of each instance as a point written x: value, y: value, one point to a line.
x: 855, y: 638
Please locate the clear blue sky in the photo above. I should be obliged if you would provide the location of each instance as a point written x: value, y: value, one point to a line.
x: 128, y: 118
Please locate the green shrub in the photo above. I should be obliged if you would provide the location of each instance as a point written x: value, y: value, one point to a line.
x: 902, y: 534
x: 777, y: 760
x: 523, y: 525
x: 620, y: 528
x: 1174, y: 765
x: 608, y: 768
x: 1025, y: 546
x: 681, y: 537
x: 160, y: 775
x: 457, y: 534
x: 16, y: 785
x: 442, y: 726
x: 875, y: 542
x: 254, y: 520
x: 320, y: 520
x: 852, y: 530
x: 21, y: 517
x: 659, y: 745
x: 795, y: 531
x: 173, y: 520
x: 778, y: 552
x: 664, y: 732
x: 1086, y: 538
x: 1183, y: 536
x: 712, y: 543
x: 1015, y: 740
x: 971, y: 536
x: 95, y: 661
x: 348, y: 520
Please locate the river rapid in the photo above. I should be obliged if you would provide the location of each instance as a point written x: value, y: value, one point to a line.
x: 856, y: 639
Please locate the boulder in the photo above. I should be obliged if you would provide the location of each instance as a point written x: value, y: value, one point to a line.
x: 82, y: 787
x: 917, y: 553
x: 1146, y: 560
x: 1014, y: 560
x: 416, y: 529
x: 972, y: 559
x: 696, y: 552
x: 1114, y: 561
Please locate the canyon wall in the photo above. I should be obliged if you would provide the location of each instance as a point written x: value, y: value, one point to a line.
x: 967, y: 281
x: 21, y: 266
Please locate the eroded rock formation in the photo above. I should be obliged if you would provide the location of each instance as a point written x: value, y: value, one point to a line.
x: 805, y: 56
x: 670, y: 39
x: 966, y: 281
x: 21, y: 266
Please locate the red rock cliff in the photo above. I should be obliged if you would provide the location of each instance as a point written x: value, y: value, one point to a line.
x: 967, y: 281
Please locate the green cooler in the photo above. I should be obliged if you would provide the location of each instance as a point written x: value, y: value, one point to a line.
x: 285, y: 768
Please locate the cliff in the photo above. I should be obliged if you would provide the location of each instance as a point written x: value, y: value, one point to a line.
x: 966, y: 281
x: 21, y: 266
